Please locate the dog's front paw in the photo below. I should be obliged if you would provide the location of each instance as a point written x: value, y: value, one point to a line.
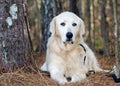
x: 59, y: 78
x: 63, y: 81
x: 76, y: 78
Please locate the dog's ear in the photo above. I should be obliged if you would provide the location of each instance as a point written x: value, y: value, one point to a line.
x: 53, y: 26
x: 82, y: 27
x: 82, y: 30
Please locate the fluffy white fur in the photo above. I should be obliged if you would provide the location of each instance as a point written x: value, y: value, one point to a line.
x: 65, y: 59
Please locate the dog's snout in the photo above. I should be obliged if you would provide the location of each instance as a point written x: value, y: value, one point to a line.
x: 69, y: 35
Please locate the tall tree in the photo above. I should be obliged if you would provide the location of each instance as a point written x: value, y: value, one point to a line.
x: 104, y: 28
x: 117, y: 72
x: 14, y: 43
x: 92, y: 23
x: 50, y: 8
x: 80, y: 7
x: 73, y: 6
x: 111, y: 29
x: 88, y: 16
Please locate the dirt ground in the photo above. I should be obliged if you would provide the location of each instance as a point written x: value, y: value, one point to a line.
x: 23, y: 77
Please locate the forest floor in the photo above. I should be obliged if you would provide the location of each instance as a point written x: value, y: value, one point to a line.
x: 23, y: 77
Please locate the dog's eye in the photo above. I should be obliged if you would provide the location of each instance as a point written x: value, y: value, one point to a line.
x: 63, y: 24
x: 74, y: 24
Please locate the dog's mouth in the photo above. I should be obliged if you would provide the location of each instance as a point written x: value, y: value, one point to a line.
x: 69, y: 41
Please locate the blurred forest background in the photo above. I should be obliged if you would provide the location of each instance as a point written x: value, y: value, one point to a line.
x: 97, y: 15
x: 24, y: 31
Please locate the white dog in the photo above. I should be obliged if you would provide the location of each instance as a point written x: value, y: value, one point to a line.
x: 68, y: 58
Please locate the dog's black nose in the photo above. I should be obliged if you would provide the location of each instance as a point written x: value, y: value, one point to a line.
x: 69, y: 35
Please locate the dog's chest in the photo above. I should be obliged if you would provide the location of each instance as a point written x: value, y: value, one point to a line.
x: 72, y: 59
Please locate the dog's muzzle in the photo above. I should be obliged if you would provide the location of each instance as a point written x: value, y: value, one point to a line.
x: 69, y: 36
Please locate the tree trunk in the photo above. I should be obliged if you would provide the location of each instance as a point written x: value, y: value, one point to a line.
x: 104, y: 28
x: 88, y: 16
x: 14, y: 43
x: 111, y: 30
x: 50, y: 8
x: 116, y: 39
x: 92, y: 24
x: 73, y: 6
x: 80, y: 8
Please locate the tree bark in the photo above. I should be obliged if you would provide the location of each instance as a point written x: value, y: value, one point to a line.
x: 104, y: 28
x: 14, y: 43
x: 92, y: 24
x: 73, y: 6
x: 80, y: 9
x: 88, y: 16
x: 50, y: 8
x: 116, y: 39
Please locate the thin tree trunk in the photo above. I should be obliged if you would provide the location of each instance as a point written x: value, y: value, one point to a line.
x: 47, y: 15
x: 92, y: 24
x: 88, y: 16
x: 50, y: 8
x: 79, y: 6
x: 73, y: 6
x: 111, y: 30
x: 104, y: 28
x: 116, y: 38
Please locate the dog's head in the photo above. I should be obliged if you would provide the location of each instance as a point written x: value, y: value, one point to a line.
x: 68, y: 27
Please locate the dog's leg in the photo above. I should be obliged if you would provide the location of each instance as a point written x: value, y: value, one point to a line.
x: 57, y: 70
x: 78, y: 77
x: 78, y: 74
x: 58, y: 75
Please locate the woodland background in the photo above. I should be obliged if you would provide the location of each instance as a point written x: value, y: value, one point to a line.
x: 23, y: 44
x: 97, y: 15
